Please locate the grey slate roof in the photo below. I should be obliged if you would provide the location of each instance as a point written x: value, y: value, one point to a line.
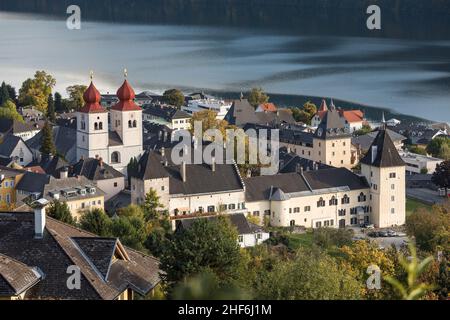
x: 60, y: 248
x: 366, y: 140
x: 70, y: 183
x: 265, y: 187
x: 199, y: 177
x: 9, y: 126
x: 386, y: 156
x: 332, y: 125
x: 33, y: 182
x: 8, y: 145
x: 94, y: 170
x: 238, y: 220
x: 52, y: 165
x: 291, y: 162
x: 16, y: 277
x: 242, y: 112
x: 167, y: 113
x: 65, y: 139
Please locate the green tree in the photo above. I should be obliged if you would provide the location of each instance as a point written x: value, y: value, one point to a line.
x: 59, y: 107
x: 330, y: 237
x: 96, y: 221
x: 132, y: 168
x: 435, y: 146
x: 59, y: 210
x: 312, y: 275
x: 75, y: 93
x: 413, y: 289
x: 206, y: 245
x: 131, y: 230
x: 304, y: 114
x: 47, y: 144
x: 51, y: 108
x: 365, y: 129
x: 257, y: 96
x: 152, y: 205
x: 174, y: 97
x: 206, y: 286
x: 8, y: 110
x: 444, y: 151
x: 35, y: 91
x: 417, y: 149
x: 441, y: 175
x: 431, y: 230
x: 4, y: 94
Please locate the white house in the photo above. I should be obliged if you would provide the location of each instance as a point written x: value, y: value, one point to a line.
x: 15, y: 148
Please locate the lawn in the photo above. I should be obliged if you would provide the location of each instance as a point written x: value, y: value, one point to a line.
x: 413, y: 204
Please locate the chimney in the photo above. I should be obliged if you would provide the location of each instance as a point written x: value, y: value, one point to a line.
x: 100, y: 162
x: 213, y: 164
x: 39, y: 217
x: 374, y: 151
x: 165, y: 136
x: 96, y: 156
x: 159, y: 135
x: 64, y: 173
x: 183, y: 171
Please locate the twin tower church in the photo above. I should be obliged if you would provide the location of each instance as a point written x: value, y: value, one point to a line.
x: 115, y: 135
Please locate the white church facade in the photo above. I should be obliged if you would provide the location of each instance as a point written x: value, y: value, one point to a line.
x: 114, y: 135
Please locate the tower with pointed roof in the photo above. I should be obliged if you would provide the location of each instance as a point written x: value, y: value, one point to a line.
x: 384, y: 169
x: 332, y: 140
x: 117, y: 142
x: 92, y: 126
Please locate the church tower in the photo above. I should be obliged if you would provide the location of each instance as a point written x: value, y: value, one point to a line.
x: 384, y: 169
x: 126, y: 122
x: 92, y: 126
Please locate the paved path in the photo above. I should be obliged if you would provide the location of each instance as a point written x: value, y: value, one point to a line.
x: 426, y: 195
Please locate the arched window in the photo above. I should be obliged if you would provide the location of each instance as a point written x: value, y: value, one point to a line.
x: 96, y: 126
x: 115, y: 157
x: 361, y: 197
x: 100, y: 126
x: 345, y: 199
x: 134, y: 124
x: 129, y: 123
x: 333, y: 201
x: 321, y: 202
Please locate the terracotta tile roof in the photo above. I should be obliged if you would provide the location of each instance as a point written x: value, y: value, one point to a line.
x: 269, y: 106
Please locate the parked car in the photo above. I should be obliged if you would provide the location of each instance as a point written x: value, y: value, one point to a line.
x: 367, y: 226
x: 374, y: 234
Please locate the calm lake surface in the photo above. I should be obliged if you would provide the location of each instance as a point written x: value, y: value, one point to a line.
x: 410, y: 77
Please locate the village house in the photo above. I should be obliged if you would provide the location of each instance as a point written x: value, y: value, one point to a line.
x: 9, y: 178
x: 171, y: 117
x: 38, y: 254
x: 77, y: 192
x: 14, y: 148
x: 17, y: 128
x: 108, y: 179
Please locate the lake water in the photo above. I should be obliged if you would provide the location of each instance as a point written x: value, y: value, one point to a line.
x: 407, y: 76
